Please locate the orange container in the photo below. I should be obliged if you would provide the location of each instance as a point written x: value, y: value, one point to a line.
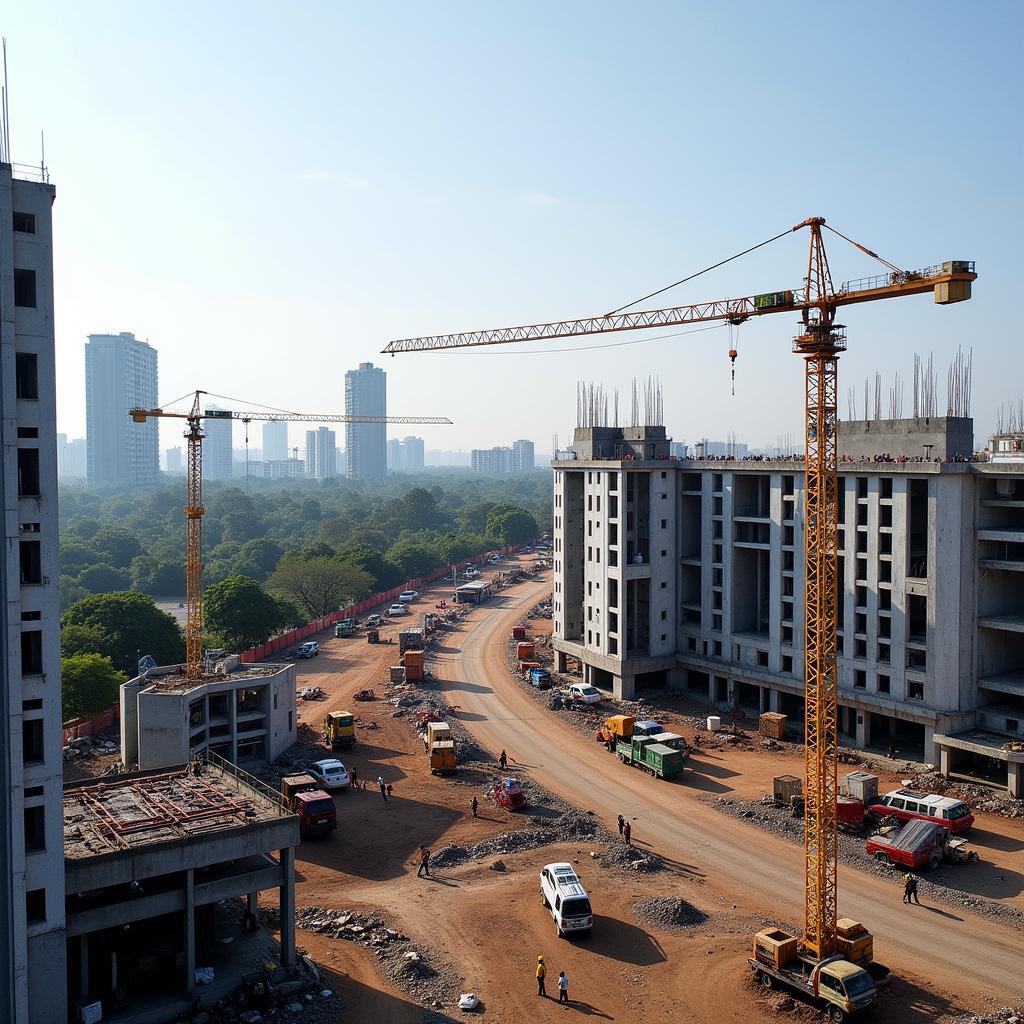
x: 525, y: 650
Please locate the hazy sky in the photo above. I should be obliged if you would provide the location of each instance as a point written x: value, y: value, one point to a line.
x: 269, y: 193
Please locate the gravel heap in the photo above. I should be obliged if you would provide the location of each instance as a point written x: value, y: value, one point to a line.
x: 418, y: 971
x: 979, y: 797
x: 630, y: 858
x: 1004, y: 1015
x: 669, y: 912
x: 938, y: 885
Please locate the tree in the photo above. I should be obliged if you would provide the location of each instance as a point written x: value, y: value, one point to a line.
x: 89, y: 685
x: 415, y: 557
x: 117, y: 546
x: 473, y: 518
x: 158, y: 578
x: 258, y: 558
x: 132, y: 625
x: 510, y: 525
x: 103, y: 579
x: 76, y: 555
x: 318, y: 586
x: 82, y: 640
x: 384, y: 573
x: 241, y: 614
x: 71, y: 591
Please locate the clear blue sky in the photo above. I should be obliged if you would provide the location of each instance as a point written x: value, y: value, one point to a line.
x: 270, y: 192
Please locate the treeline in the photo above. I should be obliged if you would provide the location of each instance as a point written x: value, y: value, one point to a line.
x: 274, y: 557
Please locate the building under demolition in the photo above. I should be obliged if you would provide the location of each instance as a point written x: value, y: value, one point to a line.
x: 162, y: 875
x: 243, y: 713
x: 688, y: 574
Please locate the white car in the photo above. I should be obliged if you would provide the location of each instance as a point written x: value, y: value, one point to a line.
x: 562, y: 892
x: 584, y: 694
x: 331, y: 773
x: 470, y: 574
x: 373, y: 621
x: 408, y: 595
x: 398, y: 609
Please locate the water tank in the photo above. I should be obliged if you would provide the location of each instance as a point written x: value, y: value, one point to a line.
x: 714, y: 723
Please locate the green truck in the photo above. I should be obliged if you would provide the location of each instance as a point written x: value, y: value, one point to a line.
x: 654, y: 758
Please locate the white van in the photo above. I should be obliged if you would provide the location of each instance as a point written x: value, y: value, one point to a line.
x: 562, y: 892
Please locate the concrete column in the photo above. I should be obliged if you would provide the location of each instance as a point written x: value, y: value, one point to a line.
x: 233, y: 728
x: 929, y: 743
x: 1015, y: 779
x: 252, y: 910
x: 945, y: 761
x: 287, y: 908
x: 624, y: 687
x: 711, y: 688
x: 560, y: 661
x: 190, y: 931
x: 863, y: 728
x: 83, y: 960
x: 732, y: 692
x: 773, y: 699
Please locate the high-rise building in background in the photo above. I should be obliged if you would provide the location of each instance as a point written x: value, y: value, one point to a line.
x: 326, y: 453
x: 275, y: 441
x: 405, y: 455
x: 493, y: 461
x: 32, y: 974
x: 310, y: 460
x: 522, y: 456
x: 218, y: 458
x: 366, y: 443
x: 120, y: 374
x: 173, y: 462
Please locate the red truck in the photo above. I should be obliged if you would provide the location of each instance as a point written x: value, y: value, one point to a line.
x: 313, y: 806
x: 918, y: 844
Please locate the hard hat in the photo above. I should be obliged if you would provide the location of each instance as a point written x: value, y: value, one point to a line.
x: 540, y: 958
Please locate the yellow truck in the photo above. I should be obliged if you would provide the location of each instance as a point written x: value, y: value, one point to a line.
x: 339, y: 729
x: 439, y: 743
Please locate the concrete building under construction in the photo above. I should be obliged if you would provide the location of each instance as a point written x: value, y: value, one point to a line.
x: 243, y: 713
x: 163, y: 872
x: 688, y: 574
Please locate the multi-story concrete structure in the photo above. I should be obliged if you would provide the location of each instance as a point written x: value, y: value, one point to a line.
x: 218, y: 457
x: 275, y: 441
x: 164, y: 871
x: 366, y: 443
x: 493, y: 461
x: 244, y: 713
x: 405, y: 455
x: 31, y: 765
x: 174, y: 463
x: 120, y: 374
x: 689, y: 574
x: 522, y: 456
x: 326, y: 453
x: 283, y: 469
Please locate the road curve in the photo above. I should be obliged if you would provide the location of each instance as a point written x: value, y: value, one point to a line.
x: 760, y: 872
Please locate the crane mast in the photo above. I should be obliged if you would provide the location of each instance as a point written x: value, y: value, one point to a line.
x: 819, y: 344
x: 194, y: 509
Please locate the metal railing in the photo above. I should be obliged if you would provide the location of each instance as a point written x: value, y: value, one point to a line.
x: 228, y: 768
x: 31, y: 172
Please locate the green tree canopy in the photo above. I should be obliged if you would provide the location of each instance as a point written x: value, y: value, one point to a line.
x: 117, y: 546
x: 510, y: 525
x: 82, y: 640
x: 318, y: 586
x: 132, y: 625
x: 241, y: 614
x: 103, y: 579
x: 160, y: 579
x: 89, y: 685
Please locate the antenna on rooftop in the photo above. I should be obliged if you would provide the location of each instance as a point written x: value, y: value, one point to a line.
x: 5, y: 115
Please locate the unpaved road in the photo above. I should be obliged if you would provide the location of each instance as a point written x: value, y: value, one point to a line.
x: 944, y: 959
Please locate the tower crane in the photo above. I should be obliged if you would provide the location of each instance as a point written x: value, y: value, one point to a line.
x: 194, y: 506
x: 819, y: 342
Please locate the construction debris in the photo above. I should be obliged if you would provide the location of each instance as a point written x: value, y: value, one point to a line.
x: 669, y: 912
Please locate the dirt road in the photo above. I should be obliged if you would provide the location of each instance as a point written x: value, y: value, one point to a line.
x: 933, y: 949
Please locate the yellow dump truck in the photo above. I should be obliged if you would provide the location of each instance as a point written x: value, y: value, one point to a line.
x: 339, y: 729
x: 439, y: 743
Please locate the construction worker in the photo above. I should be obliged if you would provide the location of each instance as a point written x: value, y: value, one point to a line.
x: 541, y: 972
x: 474, y: 804
x: 355, y: 778
x: 424, y: 863
x: 503, y: 760
x: 913, y: 890
x: 627, y: 832
x: 622, y: 824
x: 908, y: 881
x: 563, y: 987
x: 383, y: 787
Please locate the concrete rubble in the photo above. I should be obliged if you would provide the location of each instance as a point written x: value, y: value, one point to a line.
x: 669, y: 912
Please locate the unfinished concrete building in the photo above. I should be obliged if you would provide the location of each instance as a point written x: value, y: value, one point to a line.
x: 243, y: 713
x: 689, y: 574
x: 163, y: 872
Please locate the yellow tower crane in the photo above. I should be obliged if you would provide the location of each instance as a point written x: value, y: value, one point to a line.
x: 819, y: 343
x: 194, y: 507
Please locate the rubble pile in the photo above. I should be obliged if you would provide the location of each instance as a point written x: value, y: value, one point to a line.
x: 669, y: 912
x: 979, y: 797
x: 1004, y: 1015
x: 629, y: 858
x: 940, y: 885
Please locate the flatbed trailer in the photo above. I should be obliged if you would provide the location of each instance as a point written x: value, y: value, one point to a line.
x: 654, y: 758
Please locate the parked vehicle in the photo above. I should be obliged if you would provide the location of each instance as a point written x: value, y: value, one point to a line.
x: 439, y: 743
x: 562, y: 892
x: 411, y: 638
x: 314, y: 808
x: 908, y: 804
x: 584, y: 694
x: 310, y: 649
x: 508, y: 793
x: 408, y: 595
x: 373, y: 635
x: 842, y: 988
x: 495, y: 558
x: 470, y: 573
x: 345, y: 627
x: 398, y: 609
x: 330, y: 773
x: 654, y: 758
x: 339, y: 729
x: 648, y: 728
x: 673, y: 740
x: 918, y: 845
x: 374, y: 620
x: 541, y: 678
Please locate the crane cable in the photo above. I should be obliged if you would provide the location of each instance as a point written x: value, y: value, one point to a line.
x: 714, y: 266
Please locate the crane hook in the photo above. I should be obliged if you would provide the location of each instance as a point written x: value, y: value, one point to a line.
x: 734, y: 332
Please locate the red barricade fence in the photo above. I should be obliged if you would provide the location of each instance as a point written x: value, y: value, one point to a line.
x: 90, y: 726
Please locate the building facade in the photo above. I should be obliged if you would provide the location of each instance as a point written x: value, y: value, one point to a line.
x: 405, y: 455
x: 32, y: 988
x: 689, y: 575
x: 493, y: 461
x: 366, y: 443
x: 218, y: 456
x: 120, y: 374
x: 275, y: 441
x: 522, y: 456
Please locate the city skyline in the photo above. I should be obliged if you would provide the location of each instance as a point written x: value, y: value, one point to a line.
x: 560, y: 233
